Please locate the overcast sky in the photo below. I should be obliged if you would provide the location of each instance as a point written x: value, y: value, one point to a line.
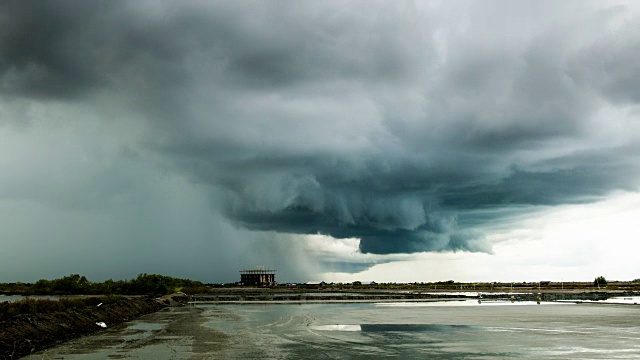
x: 336, y: 141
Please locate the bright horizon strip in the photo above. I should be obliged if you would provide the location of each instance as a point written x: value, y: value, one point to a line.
x: 558, y: 244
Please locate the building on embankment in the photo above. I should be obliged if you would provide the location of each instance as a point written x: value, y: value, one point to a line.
x: 259, y: 276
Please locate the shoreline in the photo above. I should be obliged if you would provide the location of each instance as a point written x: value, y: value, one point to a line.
x: 269, y: 296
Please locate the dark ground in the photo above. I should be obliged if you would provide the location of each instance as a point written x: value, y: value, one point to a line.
x: 28, y: 333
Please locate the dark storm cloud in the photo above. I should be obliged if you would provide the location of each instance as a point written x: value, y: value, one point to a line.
x: 366, y: 120
x: 44, y: 50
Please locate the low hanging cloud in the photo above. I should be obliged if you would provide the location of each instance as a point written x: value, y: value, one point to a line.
x: 403, y: 125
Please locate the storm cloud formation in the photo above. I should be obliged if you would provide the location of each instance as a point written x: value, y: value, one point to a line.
x: 403, y: 125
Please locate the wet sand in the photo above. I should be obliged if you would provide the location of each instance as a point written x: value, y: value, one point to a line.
x: 172, y: 333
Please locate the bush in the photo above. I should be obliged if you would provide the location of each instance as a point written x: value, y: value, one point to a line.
x: 600, y: 280
x: 192, y: 290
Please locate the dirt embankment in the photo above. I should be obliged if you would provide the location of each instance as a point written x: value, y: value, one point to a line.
x: 29, y: 333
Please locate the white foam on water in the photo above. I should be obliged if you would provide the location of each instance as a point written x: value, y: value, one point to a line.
x: 337, y: 327
x: 585, y: 350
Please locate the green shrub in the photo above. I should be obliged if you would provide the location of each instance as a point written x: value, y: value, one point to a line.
x: 195, y: 290
x: 600, y: 280
x: 75, y: 284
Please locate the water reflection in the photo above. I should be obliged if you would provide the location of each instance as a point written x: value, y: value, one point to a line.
x: 394, y: 327
x: 371, y: 331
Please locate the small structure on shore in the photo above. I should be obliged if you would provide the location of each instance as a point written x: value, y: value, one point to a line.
x: 259, y: 276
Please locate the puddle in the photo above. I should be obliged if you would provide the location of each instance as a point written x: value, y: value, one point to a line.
x: 167, y: 350
x: 141, y: 330
x: 225, y: 327
x: 144, y: 326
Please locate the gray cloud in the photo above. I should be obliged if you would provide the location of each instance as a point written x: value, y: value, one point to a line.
x: 405, y: 127
x: 607, y: 66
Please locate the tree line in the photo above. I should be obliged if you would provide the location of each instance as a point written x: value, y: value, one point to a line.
x: 76, y: 284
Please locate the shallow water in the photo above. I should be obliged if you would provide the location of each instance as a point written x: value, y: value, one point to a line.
x: 447, y: 330
x: 631, y: 300
x: 442, y: 330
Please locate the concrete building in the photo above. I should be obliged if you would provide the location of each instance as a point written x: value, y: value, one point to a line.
x: 258, y: 277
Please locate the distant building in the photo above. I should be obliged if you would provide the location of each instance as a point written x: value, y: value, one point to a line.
x: 314, y: 284
x: 258, y: 277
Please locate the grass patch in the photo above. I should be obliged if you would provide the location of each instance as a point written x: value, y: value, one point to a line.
x: 41, y: 306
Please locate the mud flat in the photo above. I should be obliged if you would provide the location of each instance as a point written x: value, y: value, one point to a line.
x: 406, y: 330
x: 171, y: 333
